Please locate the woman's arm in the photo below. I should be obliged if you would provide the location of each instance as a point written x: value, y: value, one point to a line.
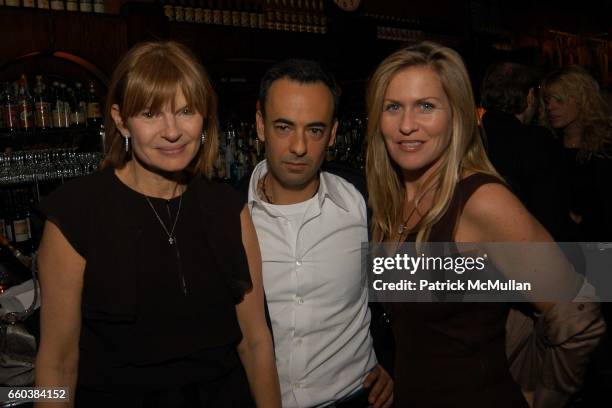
x: 553, y: 352
x: 256, y: 349
x: 61, y: 281
x: 494, y: 215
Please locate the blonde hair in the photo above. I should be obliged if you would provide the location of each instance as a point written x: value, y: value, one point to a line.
x: 148, y: 77
x: 465, y: 150
x: 594, y: 119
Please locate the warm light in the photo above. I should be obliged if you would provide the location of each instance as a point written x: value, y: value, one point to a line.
x: 480, y: 111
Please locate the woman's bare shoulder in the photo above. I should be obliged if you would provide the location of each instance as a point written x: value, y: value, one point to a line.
x: 493, y: 213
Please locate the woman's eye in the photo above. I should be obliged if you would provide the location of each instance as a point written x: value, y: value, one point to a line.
x: 426, y: 106
x: 392, y: 107
x: 186, y: 111
x: 150, y: 114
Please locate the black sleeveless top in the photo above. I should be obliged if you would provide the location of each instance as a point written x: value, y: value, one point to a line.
x: 141, y: 326
x: 452, y: 354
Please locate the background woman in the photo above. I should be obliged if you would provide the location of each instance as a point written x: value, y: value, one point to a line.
x: 576, y: 110
x: 150, y: 273
x: 429, y: 180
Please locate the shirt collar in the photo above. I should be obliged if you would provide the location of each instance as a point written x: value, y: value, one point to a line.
x: 327, y: 188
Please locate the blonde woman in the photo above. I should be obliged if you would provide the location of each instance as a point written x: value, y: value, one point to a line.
x: 150, y: 273
x: 576, y: 110
x: 430, y: 180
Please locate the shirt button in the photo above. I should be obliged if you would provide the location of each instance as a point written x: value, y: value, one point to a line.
x: 299, y: 300
x: 298, y: 262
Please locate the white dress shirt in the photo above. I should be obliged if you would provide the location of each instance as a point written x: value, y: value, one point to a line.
x: 316, y: 291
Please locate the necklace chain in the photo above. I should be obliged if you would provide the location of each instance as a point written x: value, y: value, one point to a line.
x: 263, y: 190
x: 265, y: 193
x: 171, y: 237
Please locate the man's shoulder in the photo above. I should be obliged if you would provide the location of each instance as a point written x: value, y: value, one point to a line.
x: 342, y: 186
x: 347, y: 174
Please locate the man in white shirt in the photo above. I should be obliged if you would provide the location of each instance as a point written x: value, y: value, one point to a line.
x: 311, y: 225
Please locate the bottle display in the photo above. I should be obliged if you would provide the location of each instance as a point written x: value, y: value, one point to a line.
x: 305, y: 16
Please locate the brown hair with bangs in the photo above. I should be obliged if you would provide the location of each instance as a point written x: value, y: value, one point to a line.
x: 148, y: 77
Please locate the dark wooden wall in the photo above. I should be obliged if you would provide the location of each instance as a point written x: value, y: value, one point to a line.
x: 237, y: 57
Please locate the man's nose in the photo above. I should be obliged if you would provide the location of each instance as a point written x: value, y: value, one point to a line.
x: 298, y: 144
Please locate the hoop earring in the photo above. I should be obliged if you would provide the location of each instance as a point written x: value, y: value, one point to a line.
x: 203, y: 138
x: 126, y: 143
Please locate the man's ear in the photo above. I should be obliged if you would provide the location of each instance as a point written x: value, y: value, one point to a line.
x: 259, y: 120
x: 531, y: 98
x: 116, y: 115
x: 332, y: 137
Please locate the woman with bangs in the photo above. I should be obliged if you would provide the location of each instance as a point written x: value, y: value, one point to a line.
x: 151, y: 273
x: 577, y: 112
x: 429, y: 180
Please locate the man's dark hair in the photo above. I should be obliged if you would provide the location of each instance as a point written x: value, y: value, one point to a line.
x: 302, y: 72
x: 506, y: 85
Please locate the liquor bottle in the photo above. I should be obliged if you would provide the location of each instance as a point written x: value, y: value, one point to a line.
x: 189, y: 11
x: 301, y: 16
x: 86, y: 6
x: 230, y: 151
x: 236, y: 14
x: 12, y: 3
x: 169, y: 10
x: 322, y: 18
x: 198, y: 11
x: 16, y: 267
x: 22, y: 232
x: 294, y: 15
x: 253, y: 16
x: 71, y: 106
x: 216, y: 12
x: 57, y: 5
x: 24, y: 105
x: 43, y: 4
x: 2, y: 126
x: 29, y: 3
x: 94, y: 113
x: 316, y: 18
x: 226, y: 12
x: 261, y: 16
x: 71, y: 5
x: 6, y: 232
x: 308, y: 17
x: 80, y: 106
x: 6, y: 250
x: 99, y: 6
x: 245, y: 9
x: 207, y: 16
x: 57, y: 106
x: 270, y: 15
x: 179, y: 11
x: 66, y: 109
x: 286, y: 13
x: 42, y: 107
x: 9, y: 108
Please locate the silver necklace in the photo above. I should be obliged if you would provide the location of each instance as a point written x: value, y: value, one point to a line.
x: 171, y: 237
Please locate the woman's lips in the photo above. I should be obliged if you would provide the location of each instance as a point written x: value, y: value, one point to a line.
x: 411, y: 145
x: 171, y: 151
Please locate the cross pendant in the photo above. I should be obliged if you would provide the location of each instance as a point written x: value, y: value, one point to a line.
x: 171, y: 240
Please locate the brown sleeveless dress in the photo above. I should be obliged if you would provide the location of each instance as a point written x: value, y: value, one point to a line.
x: 452, y: 354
